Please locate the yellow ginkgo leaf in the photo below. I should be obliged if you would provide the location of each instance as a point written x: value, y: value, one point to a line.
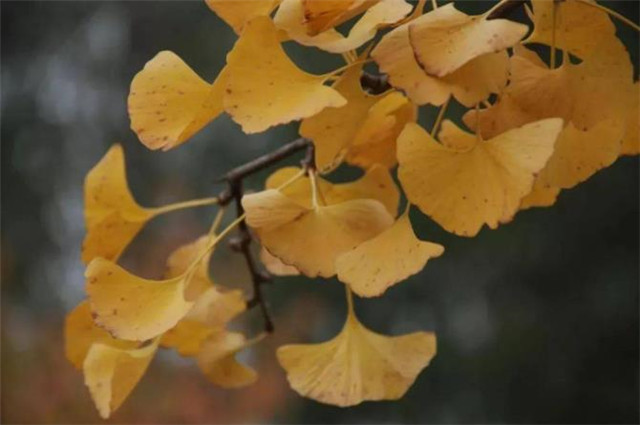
x: 452, y: 138
x: 214, y: 306
x: 210, y: 313
x: 579, y: 154
x: 631, y: 141
x: 182, y: 258
x: 333, y: 129
x: 469, y: 84
x: 542, y: 195
x: 265, y: 88
x: 112, y: 216
x: 584, y: 93
x: 217, y: 360
x: 377, y: 183
x: 111, y: 373
x: 80, y: 333
x: 217, y: 306
x: 375, y: 142
x: 311, y: 239
x: 319, y: 16
x: 501, y: 116
x: 130, y: 307
x: 275, y: 266
x: 392, y: 256
x: 357, y: 365
x: 291, y: 18
x: 187, y: 337
x: 238, y: 12
x: 445, y: 39
x: 464, y: 189
x: 576, y: 26
x: 168, y: 102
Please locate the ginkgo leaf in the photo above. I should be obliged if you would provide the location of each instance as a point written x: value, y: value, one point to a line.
x: 291, y: 18
x: 452, y: 138
x: 631, y: 141
x: 584, y: 93
x: 542, y: 195
x: 111, y: 373
x: 579, y: 154
x: 333, y: 129
x: 217, y: 360
x: 310, y: 239
x: 265, y: 88
x: 392, y: 256
x: 357, y: 365
x: 168, y: 102
x: 579, y: 28
x: 238, y: 12
x: 130, y: 307
x: 502, y: 116
x: 214, y: 306
x: 112, y: 216
x: 187, y: 337
x: 469, y: 84
x: 183, y: 257
x: 80, y: 333
x: 275, y: 266
x: 464, y: 189
x: 375, y: 142
x: 445, y: 39
x: 210, y: 313
x: 592, y: 97
x: 319, y: 16
x: 217, y: 306
x: 376, y: 183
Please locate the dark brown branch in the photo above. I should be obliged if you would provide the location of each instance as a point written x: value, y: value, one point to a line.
x: 242, y: 244
x: 265, y: 161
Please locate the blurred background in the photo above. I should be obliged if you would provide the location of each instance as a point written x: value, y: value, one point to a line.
x: 537, y: 322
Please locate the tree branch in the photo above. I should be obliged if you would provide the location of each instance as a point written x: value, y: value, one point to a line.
x: 265, y: 161
x: 242, y: 243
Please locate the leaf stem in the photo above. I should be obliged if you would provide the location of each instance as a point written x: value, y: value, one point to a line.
x: 350, y: 309
x: 184, y: 205
x: 214, y: 242
x: 441, y: 112
x: 333, y: 74
x: 216, y: 221
x: 314, y: 189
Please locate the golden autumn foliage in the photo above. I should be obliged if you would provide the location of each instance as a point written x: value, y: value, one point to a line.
x: 547, y: 104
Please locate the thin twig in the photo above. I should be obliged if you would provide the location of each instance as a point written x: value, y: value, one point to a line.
x: 266, y: 160
x: 242, y: 244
